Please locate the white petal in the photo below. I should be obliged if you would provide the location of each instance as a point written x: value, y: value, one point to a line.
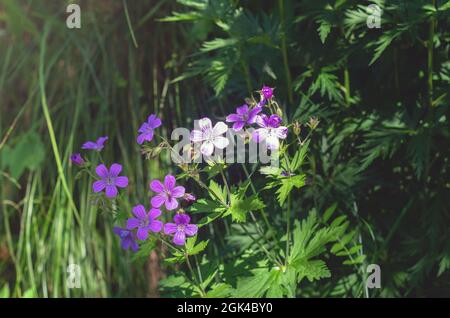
x: 207, y: 148
x: 220, y: 128
x: 281, y: 132
x: 221, y: 142
x: 272, y: 142
x: 205, y: 124
x: 196, y: 135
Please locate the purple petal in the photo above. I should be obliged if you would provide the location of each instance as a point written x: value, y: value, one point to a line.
x: 156, y: 186
x: 144, y: 128
x: 274, y: 121
x: 237, y: 126
x: 153, y: 213
x: 117, y: 230
x: 115, y: 169
x: 252, y: 114
x: 139, y: 212
x: 102, y: 171
x: 132, y: 223
x: 142, y: 233
x: 126, y: 243
x: 156, y: 226
x: 111, y: 191
x: 178, y: 192
x: 233, y: 117
x: 179, y: 238
x: 154, y: 121
x: 261, y: 120
x: 121, y: 182
x: 101, y: 141
x: 181, y: 218
x: 171, y: 204
x: 169, y: 182
x: 242, y: 110
x: 98, y: 186
x: 158, y: 200
x: 134, y: 245
x: 170, y: 228
x: 191, y: 229
x: 141, y: 138
x: 89, y: 145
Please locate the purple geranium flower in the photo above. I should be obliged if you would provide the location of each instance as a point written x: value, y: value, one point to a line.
x: 243, y: 116
x: 127, y: 238
x: 180, y: 228
x: 110, y: 180
x: 146, y: 130
x: 77, y: 159
x: 210, y: 136
x: 97, y: 145
x: 144, y: 221
x: 270, y: 131
x: 266, y: 92
x: 166, y: 193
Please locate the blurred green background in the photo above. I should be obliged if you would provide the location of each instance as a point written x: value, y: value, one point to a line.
x: 381, y: 152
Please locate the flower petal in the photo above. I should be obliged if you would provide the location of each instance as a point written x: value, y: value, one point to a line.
x: 221, y: 142
x: 132, y: 223
x: 154, y: 122
x: 144, y: 128
x: 156, y: 226
x: 272, y: 142
x: 182, y: 218
x: 115, y: 169
x: 121, y: 182
x: 141, y: 138
x: 169, y: 182
x: 191, y: 229
x: 233, y: 117
x: 99, y: 185
x: 281, y: 132
x: 259, y: 134
x: 139, y: 212
x: 179, y: 238
x: 253, y: 114
x: 89, y: 145
x: 170, y: 228
x: 142, y: 233
x: 156, y: 186
x: 158, y: 200
x: 154, y: 213
x: 261, y: 120
x: 101, y: 141
x: 126, y: 243
x: 207, y: 148
x: 178, y: 192
x: 196, y: 136
x: 242, y: 110
x: 134, y: 245
x: 219, y: 129
x: 171, y: 204
x: 111, y: 191
x: 102, y: 171
x: 205, y: 124
x: 237, y: 126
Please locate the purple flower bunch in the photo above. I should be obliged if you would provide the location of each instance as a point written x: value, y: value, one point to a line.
x: 108, y: 179
x: 143, y: 222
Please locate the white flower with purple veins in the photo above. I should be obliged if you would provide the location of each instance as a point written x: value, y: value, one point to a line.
x: 210, y: 137
x: 270, y: 131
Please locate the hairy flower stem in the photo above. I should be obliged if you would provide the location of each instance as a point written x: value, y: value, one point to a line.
x: 263, y: 213
x: 288, y: 226
x: 199, y: 286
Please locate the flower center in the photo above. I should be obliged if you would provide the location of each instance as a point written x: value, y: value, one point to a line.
x: 143, y: 222
x: 110, y: 180
x: 180, y: 227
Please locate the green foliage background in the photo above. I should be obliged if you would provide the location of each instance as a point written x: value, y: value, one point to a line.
x: 379, y: 159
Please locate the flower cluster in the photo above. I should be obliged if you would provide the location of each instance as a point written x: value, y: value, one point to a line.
x: 270, y: 129
x: 144, y: 222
